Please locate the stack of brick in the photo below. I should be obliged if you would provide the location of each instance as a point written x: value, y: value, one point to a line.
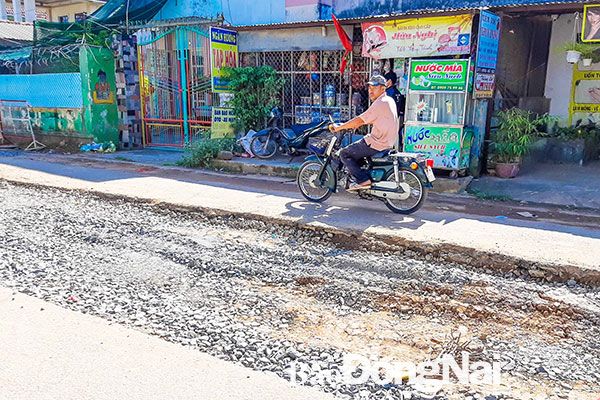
x: 128, y: 91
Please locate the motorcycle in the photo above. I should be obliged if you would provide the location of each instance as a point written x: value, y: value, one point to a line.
x: 401, y: 180
x: 289, y: 141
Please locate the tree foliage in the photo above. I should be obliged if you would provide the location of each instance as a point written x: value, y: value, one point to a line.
x: 256, y: 92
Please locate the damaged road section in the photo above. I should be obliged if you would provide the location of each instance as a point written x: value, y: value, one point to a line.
x: 265, y: 295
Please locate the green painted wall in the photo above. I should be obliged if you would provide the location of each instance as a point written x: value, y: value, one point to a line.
x: 100, y: 112
x: 66, y: 121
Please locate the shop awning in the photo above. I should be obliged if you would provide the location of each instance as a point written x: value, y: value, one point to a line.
x: 427, y: 8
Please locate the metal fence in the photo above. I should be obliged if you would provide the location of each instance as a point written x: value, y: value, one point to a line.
x: 314, y: 86
x: 175, y: 86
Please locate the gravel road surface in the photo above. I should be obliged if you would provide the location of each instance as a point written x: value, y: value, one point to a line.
x: 266, y: 296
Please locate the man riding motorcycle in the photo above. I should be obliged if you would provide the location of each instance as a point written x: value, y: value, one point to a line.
x: 382, y: 114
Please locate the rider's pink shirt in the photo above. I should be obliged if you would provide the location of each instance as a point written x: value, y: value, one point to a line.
x: 383, y: 115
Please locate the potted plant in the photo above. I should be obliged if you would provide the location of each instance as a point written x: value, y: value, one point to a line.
x: 575, y: 144
x: 516, y: 130
x: 576, y: 51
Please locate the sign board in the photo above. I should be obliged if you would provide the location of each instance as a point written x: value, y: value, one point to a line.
x: 488, y: 42
x: 440, y: 143
x: 222, y: 118
x: 439, y: 75
x: 591, y: 24
x: 223, y: 53
x: 418, y: 37
x: 484, y: 86
x: 585, y: 95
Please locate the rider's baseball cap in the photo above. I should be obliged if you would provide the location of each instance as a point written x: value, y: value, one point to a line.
x: 377, y: 80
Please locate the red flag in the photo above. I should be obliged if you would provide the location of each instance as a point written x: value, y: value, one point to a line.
x: 346, y: 42
x: 342, y: 34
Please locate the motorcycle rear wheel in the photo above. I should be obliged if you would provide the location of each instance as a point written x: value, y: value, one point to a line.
x: 263, y: 146
x: 417, y: 196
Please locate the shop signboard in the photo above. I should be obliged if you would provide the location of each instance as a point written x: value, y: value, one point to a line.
x: 484, y: 86
x: 223, y: 54
x: 222, y: 118
x: 418, y: 37
x: 442, y: 144
x: 591, y: 24
x: 585, y: 95
x: 488, y: 42
x: 439, y: 75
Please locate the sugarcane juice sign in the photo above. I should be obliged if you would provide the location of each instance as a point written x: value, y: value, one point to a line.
x: 439, y: 75
x: 223, y: 53
x: 439, y: 143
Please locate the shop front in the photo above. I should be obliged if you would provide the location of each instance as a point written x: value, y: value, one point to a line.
x: 310, y: 61
x: 445, y: 115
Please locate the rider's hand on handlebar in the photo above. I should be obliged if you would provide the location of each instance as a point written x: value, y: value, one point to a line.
x: 333, y: 127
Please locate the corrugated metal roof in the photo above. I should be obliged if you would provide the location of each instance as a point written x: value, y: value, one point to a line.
x: 319, y: 22
x: 17, y: 31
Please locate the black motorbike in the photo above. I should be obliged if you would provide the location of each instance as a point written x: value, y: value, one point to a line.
x: 400, y: 180
x: 289, y: 141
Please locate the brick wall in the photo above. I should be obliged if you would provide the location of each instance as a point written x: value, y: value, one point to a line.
x: 128, y: 92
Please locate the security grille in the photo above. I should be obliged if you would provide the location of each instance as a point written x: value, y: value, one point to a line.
x: 314, y: 87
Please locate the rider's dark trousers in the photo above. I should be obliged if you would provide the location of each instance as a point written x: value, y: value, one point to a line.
x: 352, y: 157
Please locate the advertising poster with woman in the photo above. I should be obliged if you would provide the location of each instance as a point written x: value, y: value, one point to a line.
x: 591, y: 24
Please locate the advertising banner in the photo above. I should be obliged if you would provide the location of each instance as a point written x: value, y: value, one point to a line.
x: 223, y: 53
x: 222, y: 118
x: 422, y: 37
x: 484, y: 86
x: 488, y: 42
x: 585, y: 95
x: 591, y: 24
x: 439, y: 143
x: 439, y: 75
x: 487, y: 55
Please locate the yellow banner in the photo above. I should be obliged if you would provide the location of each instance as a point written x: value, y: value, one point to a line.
x: 422, y: 37
x: 585, y: 95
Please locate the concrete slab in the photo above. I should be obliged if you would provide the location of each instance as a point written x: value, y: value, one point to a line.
x: 52, y: 353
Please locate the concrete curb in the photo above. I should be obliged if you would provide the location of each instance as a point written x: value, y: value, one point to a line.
x: 256, y: 169
x: 359, y: 240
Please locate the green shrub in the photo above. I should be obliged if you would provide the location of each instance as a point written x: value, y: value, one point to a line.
x: 588, y: 131
x: 204, y: 150
x: 515, y: 133
x: 256, y: 91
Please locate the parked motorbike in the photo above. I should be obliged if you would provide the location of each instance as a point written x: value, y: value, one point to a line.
x: 401, y: 180
x: 289, y: 141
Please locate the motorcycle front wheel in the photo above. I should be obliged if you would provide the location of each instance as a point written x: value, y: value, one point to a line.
x: 418, y: 193
x: 308, y: 182
x: 263, y: 146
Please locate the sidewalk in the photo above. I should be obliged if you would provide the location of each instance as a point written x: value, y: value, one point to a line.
x: 561, y: 184
x: 451, y: 229
x: 52, y: 353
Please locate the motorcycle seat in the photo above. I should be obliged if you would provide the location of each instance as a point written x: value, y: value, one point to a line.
x: 302, y: 128
x: 380, y: 157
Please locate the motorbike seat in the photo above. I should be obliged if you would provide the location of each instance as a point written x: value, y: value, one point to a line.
x: 302, y: 128
x: 379, y: 157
